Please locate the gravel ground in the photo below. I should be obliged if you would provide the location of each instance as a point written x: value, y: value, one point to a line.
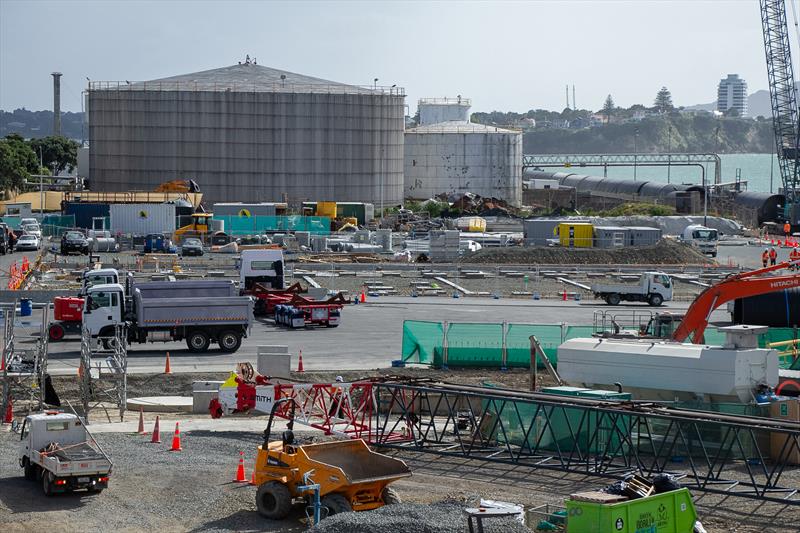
x: 443, y: 517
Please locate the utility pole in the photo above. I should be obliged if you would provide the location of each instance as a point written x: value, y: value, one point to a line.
x: 669, y: 152
x: 635, y: 151
x: 574, y: 105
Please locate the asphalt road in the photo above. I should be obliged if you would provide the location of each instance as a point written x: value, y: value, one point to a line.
x: 369, y: 337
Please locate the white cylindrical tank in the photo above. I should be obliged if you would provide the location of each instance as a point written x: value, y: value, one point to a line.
x: 436, y: 110
x: 456, y: 157
x: 668, y: 370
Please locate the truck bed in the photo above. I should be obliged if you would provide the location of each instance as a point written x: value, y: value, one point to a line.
x: 216, y: 311
x: 78, y: 452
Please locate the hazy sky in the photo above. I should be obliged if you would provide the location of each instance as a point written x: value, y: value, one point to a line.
x: 510, y: 56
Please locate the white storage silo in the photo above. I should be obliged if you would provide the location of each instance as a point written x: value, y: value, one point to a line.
x: 458, y: 156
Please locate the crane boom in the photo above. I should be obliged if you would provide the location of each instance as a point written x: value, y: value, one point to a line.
x: 737, y: 286
x: 784, y: 102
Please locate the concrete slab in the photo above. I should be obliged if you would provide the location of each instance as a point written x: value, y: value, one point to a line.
x: 161, y: 404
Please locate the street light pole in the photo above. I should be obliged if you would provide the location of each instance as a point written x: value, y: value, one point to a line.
x: 669, y: 152
x: 635, y: 151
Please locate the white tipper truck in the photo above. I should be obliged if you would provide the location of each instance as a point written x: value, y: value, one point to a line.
x: 705, y: 239
x: 56, y: 449
x: 654, y: 288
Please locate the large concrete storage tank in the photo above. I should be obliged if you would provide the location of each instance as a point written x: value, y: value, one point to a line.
x: 249, y: 133
x: 455, y: 157
x: 437, y: 110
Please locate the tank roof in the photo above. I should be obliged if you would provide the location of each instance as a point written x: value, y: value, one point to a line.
x: 246, y: 77
x: 458, y: 126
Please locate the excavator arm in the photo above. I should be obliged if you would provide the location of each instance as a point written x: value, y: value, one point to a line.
x: 737, y: 286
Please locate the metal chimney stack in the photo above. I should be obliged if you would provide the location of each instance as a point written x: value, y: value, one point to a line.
x: 56, y: 103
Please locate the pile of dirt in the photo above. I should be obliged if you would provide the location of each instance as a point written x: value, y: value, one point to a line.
x: 666, y: 252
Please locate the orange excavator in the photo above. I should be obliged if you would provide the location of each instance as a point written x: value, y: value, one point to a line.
x: 742, y: 285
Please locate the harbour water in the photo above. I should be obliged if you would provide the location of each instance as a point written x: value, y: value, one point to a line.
x: 755, y: 169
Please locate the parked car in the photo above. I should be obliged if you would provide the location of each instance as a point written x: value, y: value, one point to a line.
x: 26, y: 221
x: 32, y: 229
x: 74, y: 242
x: 28, y: 242
x: 192, y: 247
x: 5, y: 242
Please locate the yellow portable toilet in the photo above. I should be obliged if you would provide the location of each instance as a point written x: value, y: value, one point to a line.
x: 575, y: 234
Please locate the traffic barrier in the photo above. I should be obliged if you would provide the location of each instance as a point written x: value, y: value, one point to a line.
x: 176, y: 440
x: 156, y: 433
x: 240, y: 475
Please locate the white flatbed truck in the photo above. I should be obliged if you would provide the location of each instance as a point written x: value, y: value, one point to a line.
x: 654, y: 288
x: 56, y: 449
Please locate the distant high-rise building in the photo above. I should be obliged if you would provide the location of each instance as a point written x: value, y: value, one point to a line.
x: 732, y: 94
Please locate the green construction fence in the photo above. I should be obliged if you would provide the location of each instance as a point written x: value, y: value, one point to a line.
x: 474, y: 344
x: 240, y: 225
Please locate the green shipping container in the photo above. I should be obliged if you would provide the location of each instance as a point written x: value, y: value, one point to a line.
x: 670, y: 512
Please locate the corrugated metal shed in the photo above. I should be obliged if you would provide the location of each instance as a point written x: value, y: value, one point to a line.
x: 611, y: 236
x: 644, y: 236
x: 142, y: 219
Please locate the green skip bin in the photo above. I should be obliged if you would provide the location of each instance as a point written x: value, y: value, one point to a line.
x: 669, y: 512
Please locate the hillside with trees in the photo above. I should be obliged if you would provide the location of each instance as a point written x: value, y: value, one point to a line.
x: 37, y: 124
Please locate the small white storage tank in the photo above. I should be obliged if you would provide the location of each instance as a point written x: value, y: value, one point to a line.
x: 663, y: 370
x: 436, y: 110
x: 453, y: 157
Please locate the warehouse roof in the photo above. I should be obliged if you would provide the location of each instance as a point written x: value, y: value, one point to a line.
x: 246, y: 77
x: 458, y: 126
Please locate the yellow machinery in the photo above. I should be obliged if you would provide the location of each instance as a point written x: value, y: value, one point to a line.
x: 575, y: 234
x: 351, y: 477
x: 200, y: 227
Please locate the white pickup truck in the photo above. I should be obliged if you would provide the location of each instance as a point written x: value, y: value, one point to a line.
x: 654, y: 288
x: 57, y: 449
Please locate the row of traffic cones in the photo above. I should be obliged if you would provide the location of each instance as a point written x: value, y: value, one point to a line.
x: 156, y: 437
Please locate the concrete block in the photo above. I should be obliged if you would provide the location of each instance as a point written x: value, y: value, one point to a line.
x: 274, y: 361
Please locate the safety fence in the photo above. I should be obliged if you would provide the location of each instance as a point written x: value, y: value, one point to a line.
x: 241, y: 225
x: 507, y: 345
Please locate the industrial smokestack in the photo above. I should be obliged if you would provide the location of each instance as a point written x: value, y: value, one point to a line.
x: 56, y: 103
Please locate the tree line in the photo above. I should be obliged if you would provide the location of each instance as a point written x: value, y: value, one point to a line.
x: 21, y: 158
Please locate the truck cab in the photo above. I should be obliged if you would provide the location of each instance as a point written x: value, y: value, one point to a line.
x: 704, y: 238
x: 264, y: 267
x: 98, y: 276
x: 103, y: 308
x: 56, y: 448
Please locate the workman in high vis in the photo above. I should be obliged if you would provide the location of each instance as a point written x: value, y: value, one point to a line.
x: 765, y: 258
x: 773, y: 256
x: 787, y: 229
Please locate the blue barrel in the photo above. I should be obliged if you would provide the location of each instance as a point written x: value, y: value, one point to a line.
x: 25, y: 307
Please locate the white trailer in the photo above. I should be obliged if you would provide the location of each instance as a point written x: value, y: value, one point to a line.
x: 56, y: 449
x: 654, y: 288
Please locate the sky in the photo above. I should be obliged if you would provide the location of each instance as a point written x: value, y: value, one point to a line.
x: 504, y: 55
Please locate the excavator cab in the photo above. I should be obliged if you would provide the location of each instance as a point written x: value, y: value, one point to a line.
x: 661, y: 326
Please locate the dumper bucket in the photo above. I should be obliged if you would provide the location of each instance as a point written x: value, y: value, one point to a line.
x: 358, y: 463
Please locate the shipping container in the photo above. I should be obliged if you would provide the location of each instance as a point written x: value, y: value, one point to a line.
x: 644, y: 236
x: 85, y: 212
x: 576, y: 234
x: 611, y: 236
x: 363, y: 212
x: 241, y: 209
x: 142, y: 219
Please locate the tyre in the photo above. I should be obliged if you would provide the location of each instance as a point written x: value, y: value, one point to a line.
x: 30, y: 471
x: 47, y: 485
x: 229, y: 341
x: 336, y: 503
x: 95, y: 490
x: 613, y: 299
x: 390, y: 496
x: 198, y: 341
x: 273, y: 500
x: 655, y: 300
x: 55, y: 332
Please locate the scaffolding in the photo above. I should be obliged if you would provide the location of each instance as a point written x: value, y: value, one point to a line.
x: 24, y: 368
x: 104, y: 372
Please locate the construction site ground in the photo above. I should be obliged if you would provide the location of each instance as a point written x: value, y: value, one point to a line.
x: 192, y: 490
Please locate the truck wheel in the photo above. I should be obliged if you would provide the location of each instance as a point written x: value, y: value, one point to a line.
x: 229, y: 341
x: 613, y: 299
x: 47, y: 485
x: 336, y: 503
x: 55, y: 332
x: 273, y: 500
x: 390, y: 496
x: 655, y: 300
x: 30, y: 471
x: 198, y: 341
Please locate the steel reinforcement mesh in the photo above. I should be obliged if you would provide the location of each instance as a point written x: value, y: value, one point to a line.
x: 473, y: 344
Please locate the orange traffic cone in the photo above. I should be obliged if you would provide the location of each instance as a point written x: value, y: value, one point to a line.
x: 9, y: 415
x: 176, y: 440
x: 240, y: 476
x: 363, y: 297
x: 141, y: 431
x: 300, y: 362
x: 253, y: 477
x: 564, y: 296
x: 80, y: 370
x: 156, y: 433
x: 167, y: 369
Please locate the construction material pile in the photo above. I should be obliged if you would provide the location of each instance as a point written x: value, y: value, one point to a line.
x: 444, y: 517
x: 666, y: 252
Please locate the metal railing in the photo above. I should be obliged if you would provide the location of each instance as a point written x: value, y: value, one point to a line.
x: 268, y: 87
